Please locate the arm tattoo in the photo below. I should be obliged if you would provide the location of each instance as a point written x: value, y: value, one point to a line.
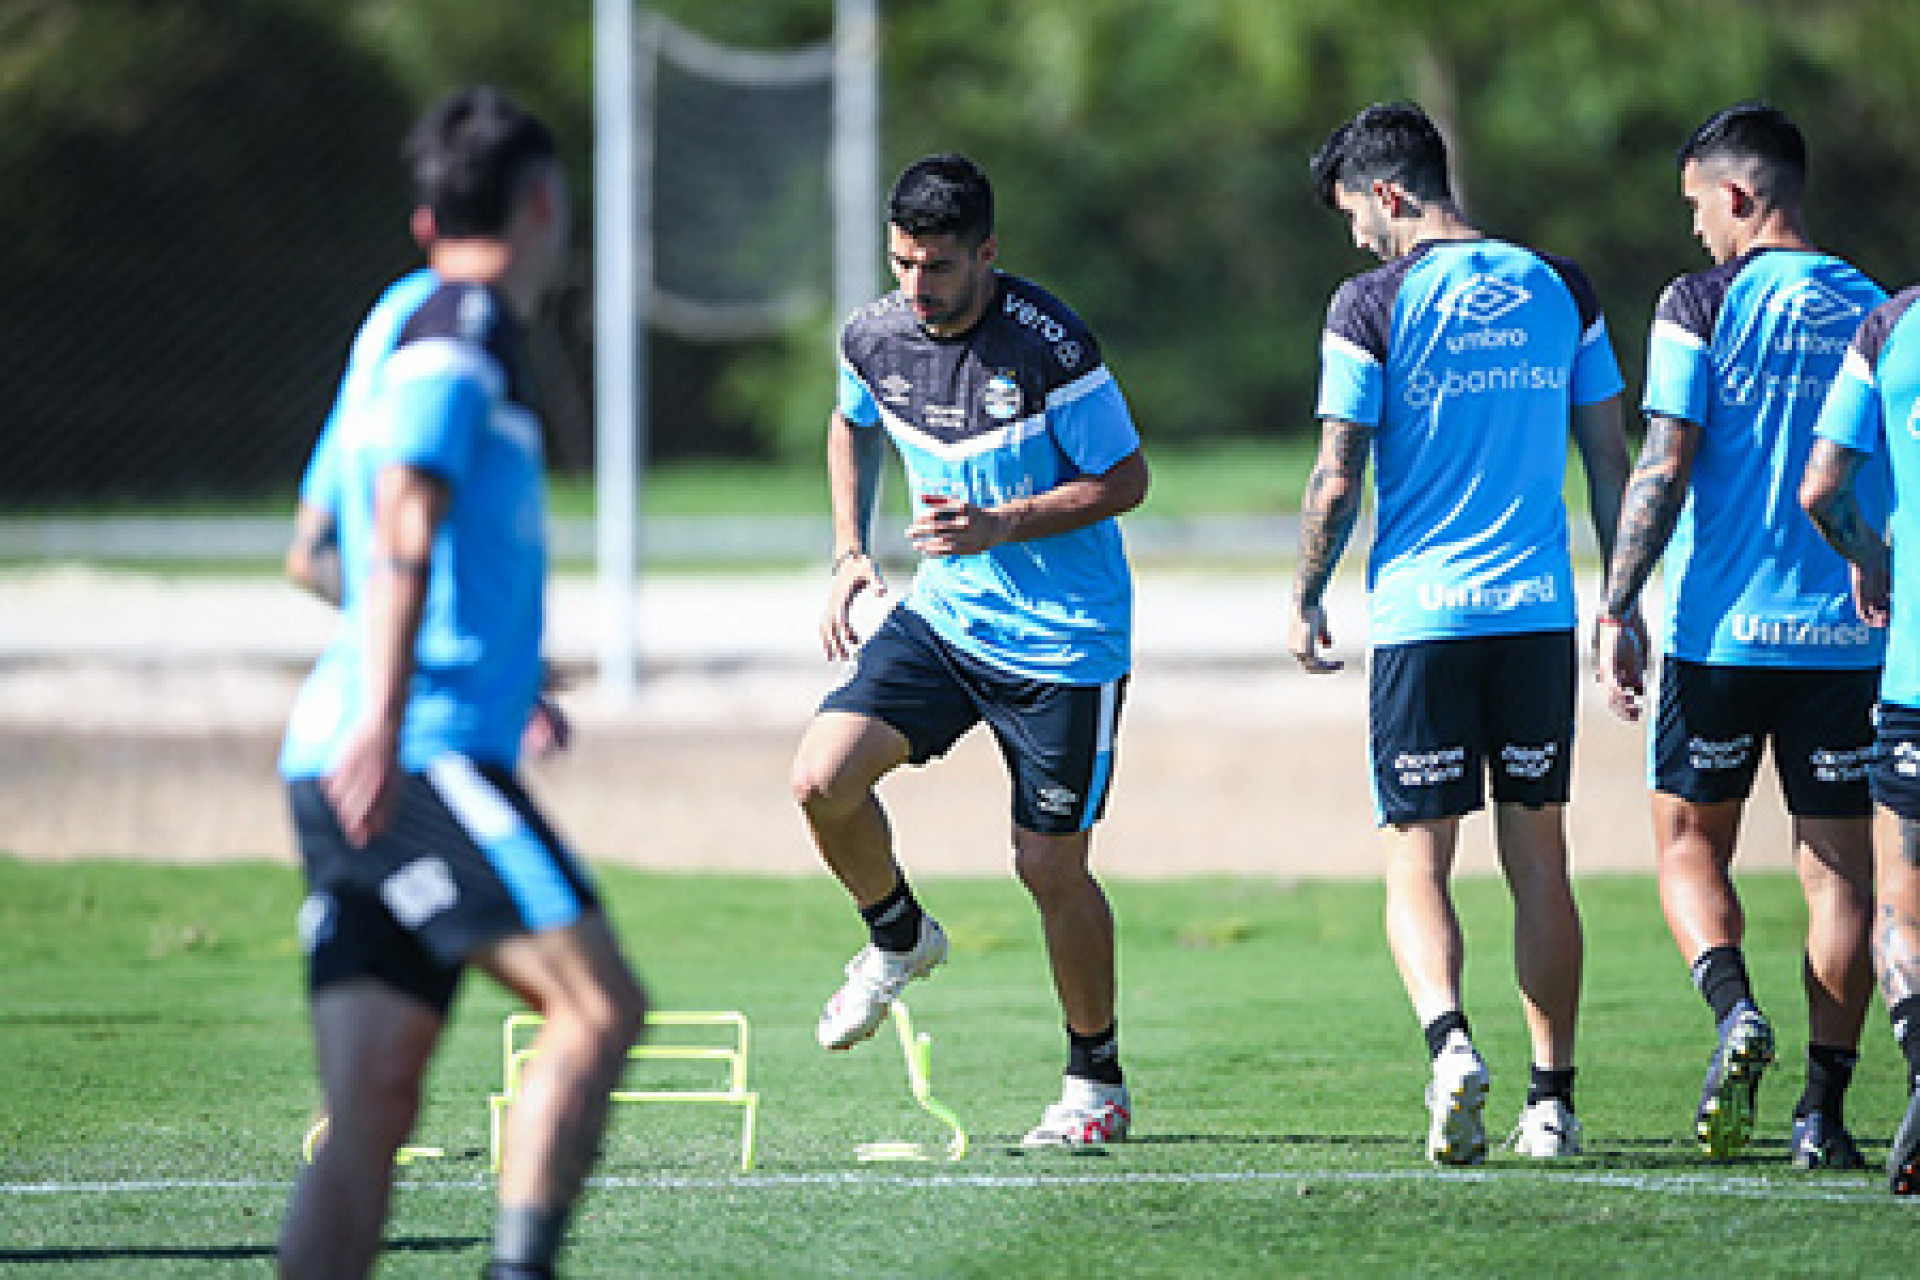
x: 1330, y: 506
x: 1840, y: 519
x: 1655, y: 493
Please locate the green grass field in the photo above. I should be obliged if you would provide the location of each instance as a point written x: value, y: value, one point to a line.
x: 155, y: 1082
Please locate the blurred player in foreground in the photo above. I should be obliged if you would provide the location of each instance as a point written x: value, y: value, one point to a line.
x: 1019, y: 453
x: 422, y: 853
x: 1461, y: 366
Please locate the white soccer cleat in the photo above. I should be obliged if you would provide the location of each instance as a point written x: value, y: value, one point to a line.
x: 1547, y: 1130
x: 1088, y: 1114
x: 875, y: 979
x: 1455, y: 1098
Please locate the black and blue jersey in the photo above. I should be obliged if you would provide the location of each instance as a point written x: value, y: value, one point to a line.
x: 1017, y: 405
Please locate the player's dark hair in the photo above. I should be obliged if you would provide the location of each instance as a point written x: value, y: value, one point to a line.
x: 1387, y: 142
x: 1755, y: 133
x: 943, y: 195
x: 470, y: 155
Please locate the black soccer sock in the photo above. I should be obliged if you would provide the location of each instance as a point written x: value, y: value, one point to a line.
x: 528, y: 1239
x: 1095, y: 1057
x: 1721, y: 975
x: 1906, y: 1030
x: 894, y: 921
x: 1829, y: 1072
x: 1443, y: 1026
x: 1543, y: 1084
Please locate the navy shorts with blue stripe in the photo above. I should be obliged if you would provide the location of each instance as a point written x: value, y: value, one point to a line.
x: 466, y: 860
x: 1057, y: 739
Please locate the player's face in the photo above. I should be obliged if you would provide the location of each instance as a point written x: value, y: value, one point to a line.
x: 1367, y: 220
x: 947, y: 283
x: 1710, y: 195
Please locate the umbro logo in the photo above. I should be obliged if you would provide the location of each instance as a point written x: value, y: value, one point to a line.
x: 1816, y: 304
x: 895, y: 389
x: 1484, y: 299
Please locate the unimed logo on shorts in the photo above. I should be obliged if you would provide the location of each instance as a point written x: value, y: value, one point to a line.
x: 419, y: 891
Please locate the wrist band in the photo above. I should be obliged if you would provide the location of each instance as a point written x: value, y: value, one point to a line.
x: 842, y: 558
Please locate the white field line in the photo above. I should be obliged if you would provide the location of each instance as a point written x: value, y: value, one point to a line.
x: 1309, y: 1179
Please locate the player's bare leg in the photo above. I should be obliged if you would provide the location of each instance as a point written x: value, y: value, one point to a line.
x: 1896, y: 962
x: 1076, y: 922
x: 1835, y: 861
x: 840, y: 759
x: 1423, y: 930
x: 1694, y: 847
x: 1548, y: 949
x: 373, y: 1045
x: 1694, y: 844
x: 593, y: 1010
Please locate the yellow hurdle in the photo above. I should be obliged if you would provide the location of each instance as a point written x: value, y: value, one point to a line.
x: 730, y: 1049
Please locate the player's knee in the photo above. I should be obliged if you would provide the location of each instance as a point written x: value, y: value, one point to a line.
x: 1048, y: 871
x: 821, y: 790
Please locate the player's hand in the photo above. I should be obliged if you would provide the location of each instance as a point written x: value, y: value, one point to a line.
x: 1308, y: 635
x: 365, y: 784
x: 1620, y: 663
x: 852, y: 574
x: 548, y: 731
x: 950, y: 526
x: 1872, y: 594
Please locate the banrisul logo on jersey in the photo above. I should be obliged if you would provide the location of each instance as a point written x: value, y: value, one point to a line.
x: 1000, y: 398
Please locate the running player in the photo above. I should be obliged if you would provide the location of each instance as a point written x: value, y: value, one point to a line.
x: 1761, y: 643
x: 422, y: 853
x: 1019, y: 452
x: 1868, y: 419
x: 1460, y: 366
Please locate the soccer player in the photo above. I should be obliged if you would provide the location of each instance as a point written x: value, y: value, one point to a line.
x: 1761, y: 645
x: 1019, y: 452
x: 1461, y: 366
x: 422, y: 853
x: 1867, y: 420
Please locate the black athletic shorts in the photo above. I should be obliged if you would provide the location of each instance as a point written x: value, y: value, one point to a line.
x: 1057, y: 739
x: 1445, y: 714
x: 1895, y: 775
x: 1714, y: 722
x: 466, y: 860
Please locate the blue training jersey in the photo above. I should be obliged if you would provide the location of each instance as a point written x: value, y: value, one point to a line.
x: 1746, y: 351
x: 447, y: 396
x: 1465, y: 358
x: 1018, y: 405
x: 320, y: 484
x: 1874, y: 408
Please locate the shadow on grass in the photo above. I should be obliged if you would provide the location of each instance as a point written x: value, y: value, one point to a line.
x: 213, y: 1253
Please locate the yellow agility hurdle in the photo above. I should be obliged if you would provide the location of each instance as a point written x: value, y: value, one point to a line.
x: 731, y: 1050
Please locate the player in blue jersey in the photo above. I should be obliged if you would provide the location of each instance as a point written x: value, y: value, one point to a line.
x: 423, y: 855
x: 1761, y: 642
x: 1019, y: 452
x: 1461, y: 367
x: 1871, y: 413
